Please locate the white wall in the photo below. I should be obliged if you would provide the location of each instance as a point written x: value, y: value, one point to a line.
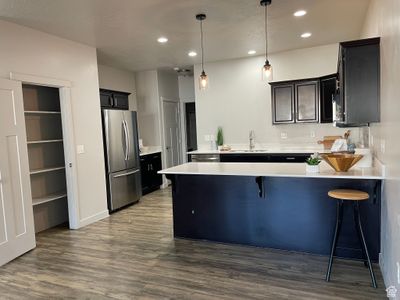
x: 186, y: 88
x: 28, y: 51
x: 118, y: 80
x: 168, y: 84
x: 383, y: 19
x: 239, y: 101
x: 148, y: 107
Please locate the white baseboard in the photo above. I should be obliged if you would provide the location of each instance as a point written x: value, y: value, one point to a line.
x: 89, y: 220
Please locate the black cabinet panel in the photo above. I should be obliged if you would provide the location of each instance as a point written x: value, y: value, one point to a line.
x: 289, y: 157
x: 113, y: 99
x: 327, y: 92
x: 359, y: 83
x: 106, y: 100
x: 264, y: 157
x: 244, y: 158
x: 121, y: 101
x: 149, y: 166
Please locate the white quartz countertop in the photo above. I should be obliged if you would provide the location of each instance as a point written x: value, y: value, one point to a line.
x: 272, y: 170
x: 149, y: 150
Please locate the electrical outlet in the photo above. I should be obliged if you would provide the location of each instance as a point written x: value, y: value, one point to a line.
x: 383, y: 146
x: 283, y: 135
x: 398, y: 272
x: 312, y: 134
x: 398, y: 219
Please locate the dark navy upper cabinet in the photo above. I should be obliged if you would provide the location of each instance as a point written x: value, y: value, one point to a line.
x: 357, y: 100
x: 113, y: 99
x: 327, y: 92
x: 295, y: 101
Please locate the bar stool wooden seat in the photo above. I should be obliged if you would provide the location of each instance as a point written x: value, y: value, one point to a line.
x: 354, y: 196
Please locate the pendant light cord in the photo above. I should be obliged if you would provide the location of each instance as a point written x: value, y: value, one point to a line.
x: 202, y: 47
x: 266, y: 31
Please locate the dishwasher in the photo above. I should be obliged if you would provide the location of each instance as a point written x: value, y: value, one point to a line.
x: 204, y: 157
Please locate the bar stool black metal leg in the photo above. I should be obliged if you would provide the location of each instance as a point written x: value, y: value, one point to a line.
x: 339, y: 218
x: 364, y: 245
x: 355, y: 203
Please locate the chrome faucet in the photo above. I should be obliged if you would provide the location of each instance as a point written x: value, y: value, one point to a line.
x: 252, y: 136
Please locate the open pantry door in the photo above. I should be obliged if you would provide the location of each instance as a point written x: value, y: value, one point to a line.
x: 17, y: 234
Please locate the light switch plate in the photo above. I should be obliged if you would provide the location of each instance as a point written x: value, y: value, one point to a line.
x: 383, y: 146
x: 80, y: 149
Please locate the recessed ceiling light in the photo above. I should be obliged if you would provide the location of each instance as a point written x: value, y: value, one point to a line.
x: 252, y: 52
x: 300, y: 13
x: 192, y: 53
x: 162, y: 40
x: 306, y: 35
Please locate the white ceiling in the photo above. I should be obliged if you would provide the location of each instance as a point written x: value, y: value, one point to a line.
x: 125, y: 31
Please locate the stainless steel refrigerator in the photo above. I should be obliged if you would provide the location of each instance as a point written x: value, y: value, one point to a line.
x: 122, y: 157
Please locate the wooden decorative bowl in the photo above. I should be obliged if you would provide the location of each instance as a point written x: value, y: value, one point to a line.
x: 342, y: 162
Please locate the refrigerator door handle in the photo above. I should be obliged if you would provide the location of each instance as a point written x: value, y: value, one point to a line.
x: 126, y: 139
x: 126, y: 174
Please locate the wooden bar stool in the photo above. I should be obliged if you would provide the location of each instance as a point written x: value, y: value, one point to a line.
x: 355, y: 197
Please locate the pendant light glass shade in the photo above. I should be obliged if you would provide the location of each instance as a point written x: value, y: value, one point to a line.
x: 267, y: 72
x: 203, y: 78
x: 203, y: 81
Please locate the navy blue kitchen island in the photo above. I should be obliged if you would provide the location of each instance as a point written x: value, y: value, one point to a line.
x: 272, y: 205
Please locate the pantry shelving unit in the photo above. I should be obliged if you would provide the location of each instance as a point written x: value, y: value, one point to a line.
x: 46, y: 155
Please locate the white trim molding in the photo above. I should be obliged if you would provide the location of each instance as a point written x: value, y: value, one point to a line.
x: 91, y: 219
x: 40, y: 80
x: 69, y: 140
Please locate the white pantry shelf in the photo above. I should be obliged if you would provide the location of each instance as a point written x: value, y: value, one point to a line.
x: 45, y: 141
x: 49, y: 198
x: 42, y: 112
x: 46, y: 170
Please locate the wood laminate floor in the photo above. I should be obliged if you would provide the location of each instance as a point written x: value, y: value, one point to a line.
x: 132, y: 255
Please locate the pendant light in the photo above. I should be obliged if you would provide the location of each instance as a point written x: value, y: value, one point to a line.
x: 203, y: 79
x: 267, y: 68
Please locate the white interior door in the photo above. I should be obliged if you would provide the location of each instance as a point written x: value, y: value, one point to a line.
x: 17, y: 234
x: 172, y: 135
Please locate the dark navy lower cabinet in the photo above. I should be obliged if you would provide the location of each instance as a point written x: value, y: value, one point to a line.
x: 292, y: 214
x: 150, y: 164
x: 264, y: 157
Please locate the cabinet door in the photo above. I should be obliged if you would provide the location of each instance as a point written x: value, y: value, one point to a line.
x: 282, y: 104
x: 17, y: 234
x: 121, y: 100
x: 155, y: 167
x: 145, y: 173
x: 307, y: 101
x: 106, y: 100
x: 327, y: 91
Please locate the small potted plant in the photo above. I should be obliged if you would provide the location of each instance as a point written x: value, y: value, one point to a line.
x: 312, y: 163
x: 220, y: 138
